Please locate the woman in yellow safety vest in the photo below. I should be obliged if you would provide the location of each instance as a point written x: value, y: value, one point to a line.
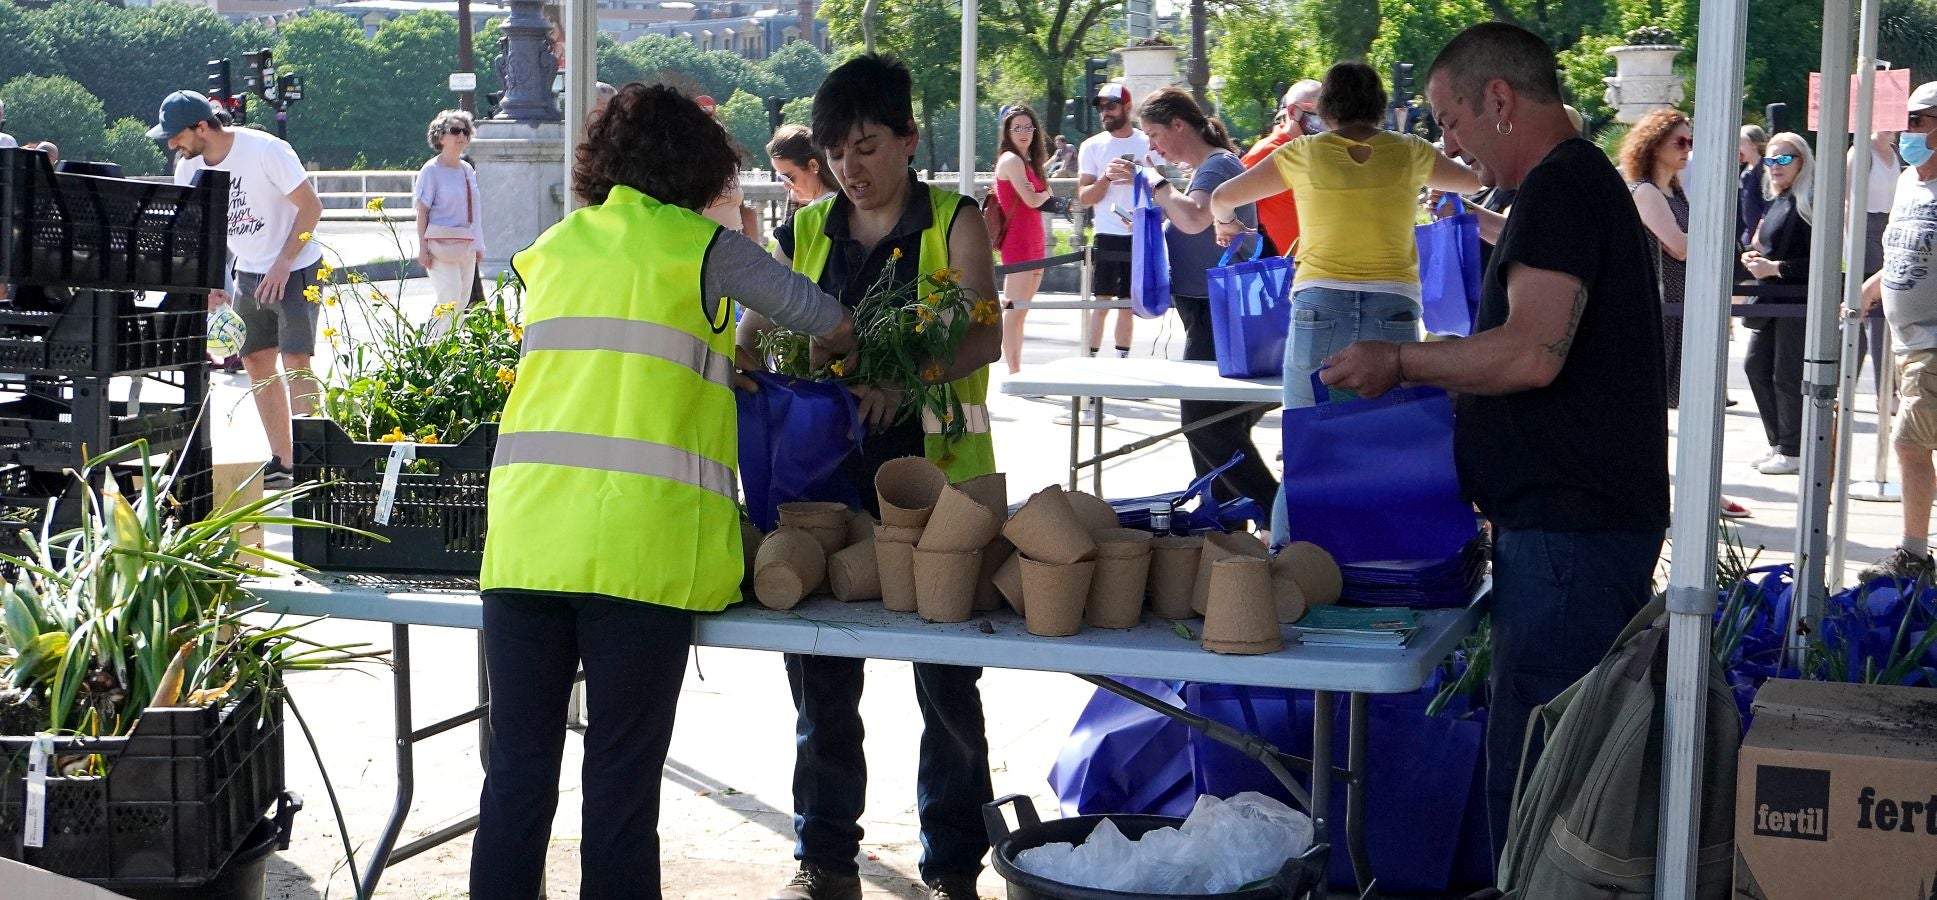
x: 613, y: 517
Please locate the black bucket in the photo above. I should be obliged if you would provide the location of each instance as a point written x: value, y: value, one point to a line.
x: 242, y: 877
x: 1296, y: 880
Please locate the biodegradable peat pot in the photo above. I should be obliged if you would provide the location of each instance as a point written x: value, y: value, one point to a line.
x: 1008, y: 581
x: 908, y: 488
x: 1242, y: 618
x: 854, y: 573
x: 1122, y: 573
x: 1303, y: 575
x: 1058, y: 594
x: 992, y: 491
x: 894, y: 556
x: 1047, y: 530
x: 827, y: 522
x: 1216, y: 547
x: 860, y: 528
x: 959, y: 524
x: 945, y: 583
x: 790, y: 564
x: 1095, y: 512
x: 987, y: 597
x: 1173, y: 574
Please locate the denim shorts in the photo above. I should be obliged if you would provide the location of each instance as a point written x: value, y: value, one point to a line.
x: 1326, y: 320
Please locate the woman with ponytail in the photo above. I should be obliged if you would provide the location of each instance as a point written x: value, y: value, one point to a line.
x: 1181, y: 133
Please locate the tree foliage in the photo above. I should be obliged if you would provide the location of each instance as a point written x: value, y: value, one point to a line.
x: 1254, y: 53
x: 127, y: 143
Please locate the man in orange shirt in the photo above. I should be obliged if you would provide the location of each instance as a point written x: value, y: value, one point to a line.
x: 1297, y: 117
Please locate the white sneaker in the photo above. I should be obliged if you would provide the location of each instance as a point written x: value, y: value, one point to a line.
x: 1780, y: 464
x: 1765, y: 457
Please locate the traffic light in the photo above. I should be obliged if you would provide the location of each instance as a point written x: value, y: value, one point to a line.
x: 1096, y: 72
x: 1073, y: 117
x: 219, y: 87
x: 253, y: 62
x: 1774, y: 113
x: 1402, y: 84
x: 776, y: 115
x: 290, y: 88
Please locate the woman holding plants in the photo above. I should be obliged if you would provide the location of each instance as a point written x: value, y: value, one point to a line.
x: 1020, y: 189
x: 613, y: 518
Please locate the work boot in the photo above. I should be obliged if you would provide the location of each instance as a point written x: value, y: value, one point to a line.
x: 954, y: 887
x: 1901, y: 565
x: 815, y: 883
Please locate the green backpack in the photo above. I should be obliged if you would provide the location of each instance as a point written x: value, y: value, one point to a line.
x: 1584, y: 822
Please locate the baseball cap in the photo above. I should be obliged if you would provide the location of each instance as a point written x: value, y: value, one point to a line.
x: 1924, y: 97
x: 180, y: 111
x: 1111, y: 92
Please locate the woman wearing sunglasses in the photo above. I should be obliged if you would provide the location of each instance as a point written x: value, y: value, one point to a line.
x: 1652, y: 156
x: 1780, y: 256
x: 1022, y: 191
x: 450, y: 229
x: 800, y: 165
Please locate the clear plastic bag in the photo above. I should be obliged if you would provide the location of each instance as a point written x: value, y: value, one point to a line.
x: 1223, y: 846
x: 1246, y: 839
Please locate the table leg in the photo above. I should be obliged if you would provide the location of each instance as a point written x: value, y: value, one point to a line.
x: 1355, y: 791
x: 406, y: 762
x: 1096, y: 471
x: 1322, y: 704
x: 1075, y: 437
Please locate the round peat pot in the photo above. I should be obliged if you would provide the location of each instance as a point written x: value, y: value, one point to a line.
x: 1295, y: 881
x: 240, y: 879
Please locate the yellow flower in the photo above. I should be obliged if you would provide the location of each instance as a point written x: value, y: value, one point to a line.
x: 517, y: 334
x: 932, y: 300
x: 429, y: 391
x: 356, y: 278
x: 943, y: 276
x: 375, y: 204
x: 304, y: 237
x: 329, y: 333
x: 508, y: 377
x: 839, y: 367
x: 313, y: 294
x: 444, y: 309
x: 985, y: 312
x: 920, y: 327
x: 330, y: 300
x: 396, y: 435
x: 948, y: 418
x: 933, y: 373
x: 896, y: 254
x: 323, y: 273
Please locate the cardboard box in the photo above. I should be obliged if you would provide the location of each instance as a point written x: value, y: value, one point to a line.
x: 1836, y: 793
x: 19, y: 881
x: 228, y: 477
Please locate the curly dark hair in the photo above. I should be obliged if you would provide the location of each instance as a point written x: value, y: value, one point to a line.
x: 1642, y: 143
x: 658, y: 142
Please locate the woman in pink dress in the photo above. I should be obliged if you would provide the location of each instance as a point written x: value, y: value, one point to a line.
x: 1020, y: 188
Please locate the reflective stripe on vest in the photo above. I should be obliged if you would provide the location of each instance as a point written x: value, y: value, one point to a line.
x: 631, y: 336
x: 611, y: 454
x: 975, y: 420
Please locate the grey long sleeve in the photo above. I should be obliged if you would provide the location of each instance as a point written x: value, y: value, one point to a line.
x: 737, y: 268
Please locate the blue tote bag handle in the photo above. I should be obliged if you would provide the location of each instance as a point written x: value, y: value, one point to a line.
x: 1449, y: 269
x: 1257, y: 249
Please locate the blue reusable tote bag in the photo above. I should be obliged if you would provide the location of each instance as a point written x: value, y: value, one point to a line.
x: 1149, y: 258
x: 1250, y: 312
x: 1449, y: 270
x: 794, y: 435
x: 1375, y: 479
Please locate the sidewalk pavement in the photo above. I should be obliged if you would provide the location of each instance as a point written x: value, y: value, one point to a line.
x: 725, y: 824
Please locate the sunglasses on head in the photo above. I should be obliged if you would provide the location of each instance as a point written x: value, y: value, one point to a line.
x: 1779, y: 160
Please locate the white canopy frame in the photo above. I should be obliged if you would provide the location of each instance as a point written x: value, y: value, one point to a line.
x: 1691, y: 594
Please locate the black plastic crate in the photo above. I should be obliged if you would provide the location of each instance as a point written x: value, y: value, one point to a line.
x: 436, y: 521
x: 60, y: 331
x: 182, y: 792
x: 110, y: 233
x: 45, y: 423
x: 28, y: 494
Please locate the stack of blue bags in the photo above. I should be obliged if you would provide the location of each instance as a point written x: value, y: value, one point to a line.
x: 1417, y: 583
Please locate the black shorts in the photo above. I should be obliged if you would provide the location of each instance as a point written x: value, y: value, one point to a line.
x: 1112, y: 277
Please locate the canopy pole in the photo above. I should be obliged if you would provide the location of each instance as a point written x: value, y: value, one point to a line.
x: 965, y: 166
x: 1821, y: 349
x: 1855, y: 251
x: 581, y: 81
x: 1698, y: 456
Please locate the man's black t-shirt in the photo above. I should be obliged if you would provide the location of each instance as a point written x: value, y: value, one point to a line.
x: 1588, y: 452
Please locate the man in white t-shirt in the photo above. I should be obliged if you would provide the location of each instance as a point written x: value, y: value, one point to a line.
x: 1907, y: 285
x: 272, y: 210
x: 1112, y: 202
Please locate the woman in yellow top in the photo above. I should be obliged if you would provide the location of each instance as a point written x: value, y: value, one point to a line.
x: 1357, y: 188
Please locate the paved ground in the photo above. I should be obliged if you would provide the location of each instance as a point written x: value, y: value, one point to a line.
x: 725, y: 822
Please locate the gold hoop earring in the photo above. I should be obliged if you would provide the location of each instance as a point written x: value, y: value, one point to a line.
x: 1503, y: 128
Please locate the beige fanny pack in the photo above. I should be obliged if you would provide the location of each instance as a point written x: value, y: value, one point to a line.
x: 446, y: 233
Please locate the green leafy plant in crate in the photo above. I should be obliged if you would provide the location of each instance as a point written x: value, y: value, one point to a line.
x: 133, y: 609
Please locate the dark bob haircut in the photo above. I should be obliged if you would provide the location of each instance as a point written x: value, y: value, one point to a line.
x: 870, y: 88
x: 1352, y: 95
x: 637, y: 132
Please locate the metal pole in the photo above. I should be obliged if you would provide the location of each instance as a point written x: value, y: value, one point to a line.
x: 1698, y: 462
x: 1855, y: 241
x: 971, y: 18
x: 466, y: 100
x: 1821, y: 350
x: 581, y: 80
x: 1880, y: 489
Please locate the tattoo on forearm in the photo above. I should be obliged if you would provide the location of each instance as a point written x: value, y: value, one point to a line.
x: 1560, y: 347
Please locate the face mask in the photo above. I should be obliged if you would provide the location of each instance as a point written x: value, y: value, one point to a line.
x: 1913, y: 147
x: 1312, y: 123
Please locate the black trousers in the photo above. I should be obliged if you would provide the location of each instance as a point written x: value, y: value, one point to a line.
x: 1774, y: 367
x: 635, y: 658
x: 1213, y: 445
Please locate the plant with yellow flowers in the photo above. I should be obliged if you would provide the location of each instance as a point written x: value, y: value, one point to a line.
x: 908, y: 332
x: 397, y: 379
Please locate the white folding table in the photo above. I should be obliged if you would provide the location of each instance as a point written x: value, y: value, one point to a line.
x: 824, y: 627
x: 1101, y: 378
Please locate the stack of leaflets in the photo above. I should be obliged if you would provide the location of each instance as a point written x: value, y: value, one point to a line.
x: 1358, y: 627
x: 1417, y: 583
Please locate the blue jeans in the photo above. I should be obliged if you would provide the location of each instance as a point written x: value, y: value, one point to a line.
x: 1560, y: 598
x: 1323, y: 322
x: 831, y: 771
